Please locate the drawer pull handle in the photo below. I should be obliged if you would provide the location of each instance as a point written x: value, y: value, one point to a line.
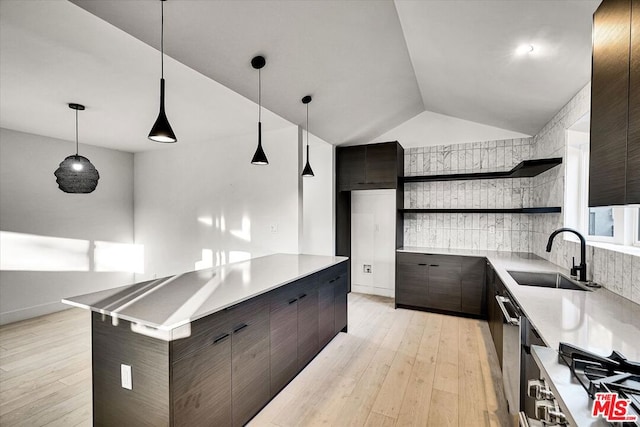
x: 239, y: 328
x: 302, y: 296
x: 220, y: 338
x: 434, y: 265
x: 422, y: 264
x: 293, y: 300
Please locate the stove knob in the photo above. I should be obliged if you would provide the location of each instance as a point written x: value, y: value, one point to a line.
x: 542, y: 409
x: 557, y: 417
x: 534, y: 387
x: 546, y: 393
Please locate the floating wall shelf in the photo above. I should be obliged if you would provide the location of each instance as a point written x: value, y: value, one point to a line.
x: 524, y: 169
x: 554, y: 209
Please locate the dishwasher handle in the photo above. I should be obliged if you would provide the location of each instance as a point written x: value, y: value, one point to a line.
x: 515, y: 321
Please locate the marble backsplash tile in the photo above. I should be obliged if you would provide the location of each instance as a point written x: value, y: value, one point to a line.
x: 616, y: 271
x: 468, y: 230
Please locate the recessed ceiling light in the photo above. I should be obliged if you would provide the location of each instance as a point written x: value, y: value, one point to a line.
x: 524, y: 49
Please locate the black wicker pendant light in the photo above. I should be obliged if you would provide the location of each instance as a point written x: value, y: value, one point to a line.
x: 161, y: 130
x: 259, y: 158
x: 307, y: 171
x: 76, y: 174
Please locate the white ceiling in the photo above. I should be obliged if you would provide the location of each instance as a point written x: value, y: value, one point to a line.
x: 463, y: 53
x: 357, y: 58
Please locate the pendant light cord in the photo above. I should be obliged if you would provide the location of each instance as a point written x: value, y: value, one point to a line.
x: 259, y: 94
x: 307, y: 130
x: 76, y: 132
x: 162, y: 38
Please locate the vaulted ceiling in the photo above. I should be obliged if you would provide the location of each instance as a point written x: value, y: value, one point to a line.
x: 370, y: 65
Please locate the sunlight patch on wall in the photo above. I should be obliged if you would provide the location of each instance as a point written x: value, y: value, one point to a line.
x: 245, y: 232
x: 206, y: 261
x: 31, y: 252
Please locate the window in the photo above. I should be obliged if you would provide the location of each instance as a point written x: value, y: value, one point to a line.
x: 610, y: 224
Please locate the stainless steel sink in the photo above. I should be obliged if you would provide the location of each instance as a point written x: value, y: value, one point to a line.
x: 545, y: 280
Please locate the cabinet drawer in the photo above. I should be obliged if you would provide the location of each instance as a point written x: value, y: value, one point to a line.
x: 332, y: 273
x: 204, y: 332
x: 412, y: 258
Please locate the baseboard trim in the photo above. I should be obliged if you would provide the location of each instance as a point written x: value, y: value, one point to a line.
x: 372, y: 290
x: 30, y: 312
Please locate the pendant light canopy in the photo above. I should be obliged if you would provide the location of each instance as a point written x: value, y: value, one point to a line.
x: 76, y: 174
x: 259, y: 157
x: 161, y: 130
x: 307, y: 171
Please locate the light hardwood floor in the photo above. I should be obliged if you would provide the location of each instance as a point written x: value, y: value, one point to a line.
x: 393, y: 368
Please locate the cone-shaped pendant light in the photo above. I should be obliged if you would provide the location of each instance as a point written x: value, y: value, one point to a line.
x: 307, y: 171
x: 161, y: 130
x: 76, y: 174
x: 259, y: 158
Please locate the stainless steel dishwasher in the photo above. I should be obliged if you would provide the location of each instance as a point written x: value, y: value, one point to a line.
x: 510, y: 350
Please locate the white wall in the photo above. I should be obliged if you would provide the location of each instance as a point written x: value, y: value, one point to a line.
x: 204, y: 204
x: 32, y: 208
x: 373, y: 214
x: 429, y: 128
x: 318, y: 235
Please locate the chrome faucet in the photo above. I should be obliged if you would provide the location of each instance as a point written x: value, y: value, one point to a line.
x: 582, y: 268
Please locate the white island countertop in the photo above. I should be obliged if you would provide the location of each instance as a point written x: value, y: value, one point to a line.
x: 161, y: 307
x: 599, y: 321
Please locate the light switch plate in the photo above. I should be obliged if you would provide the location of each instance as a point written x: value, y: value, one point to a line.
x: 125, y: 375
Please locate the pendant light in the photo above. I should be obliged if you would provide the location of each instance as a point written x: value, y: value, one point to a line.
x: 76, y: 174
x: 259, y: 158
x: 307, y: 171
x: 161, y: 130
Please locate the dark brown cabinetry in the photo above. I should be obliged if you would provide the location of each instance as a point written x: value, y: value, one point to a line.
x: 615, y: 138
x: 249, y: 358
x: 227, y: 366
x: 440, y: 282
x: 494, y: 314
x: 633, y: 135
x: 204, y: 375
x: 365, y: 167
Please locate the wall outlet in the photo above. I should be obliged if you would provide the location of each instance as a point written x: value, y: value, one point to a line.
x: 366, y: 268
x: 125, y: 376
x: 274, y: 228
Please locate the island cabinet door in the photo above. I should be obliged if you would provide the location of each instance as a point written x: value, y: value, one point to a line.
x: 307, y: 321
x: 202, y: 385
x: 284, y: 336
x: 249, y: 358
x: 340, y: 286
x: 326, y: 312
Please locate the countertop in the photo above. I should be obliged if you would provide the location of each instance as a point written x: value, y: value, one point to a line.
x: 599, y: 321
x: 162, y: 307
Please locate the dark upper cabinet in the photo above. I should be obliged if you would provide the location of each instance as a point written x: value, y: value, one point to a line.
x: 614, y: 152
x: 351, y: 166
x: 633, y: 136
x: 368, y: 167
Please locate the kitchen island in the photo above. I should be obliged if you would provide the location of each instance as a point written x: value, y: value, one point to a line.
x: 211, y: 347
